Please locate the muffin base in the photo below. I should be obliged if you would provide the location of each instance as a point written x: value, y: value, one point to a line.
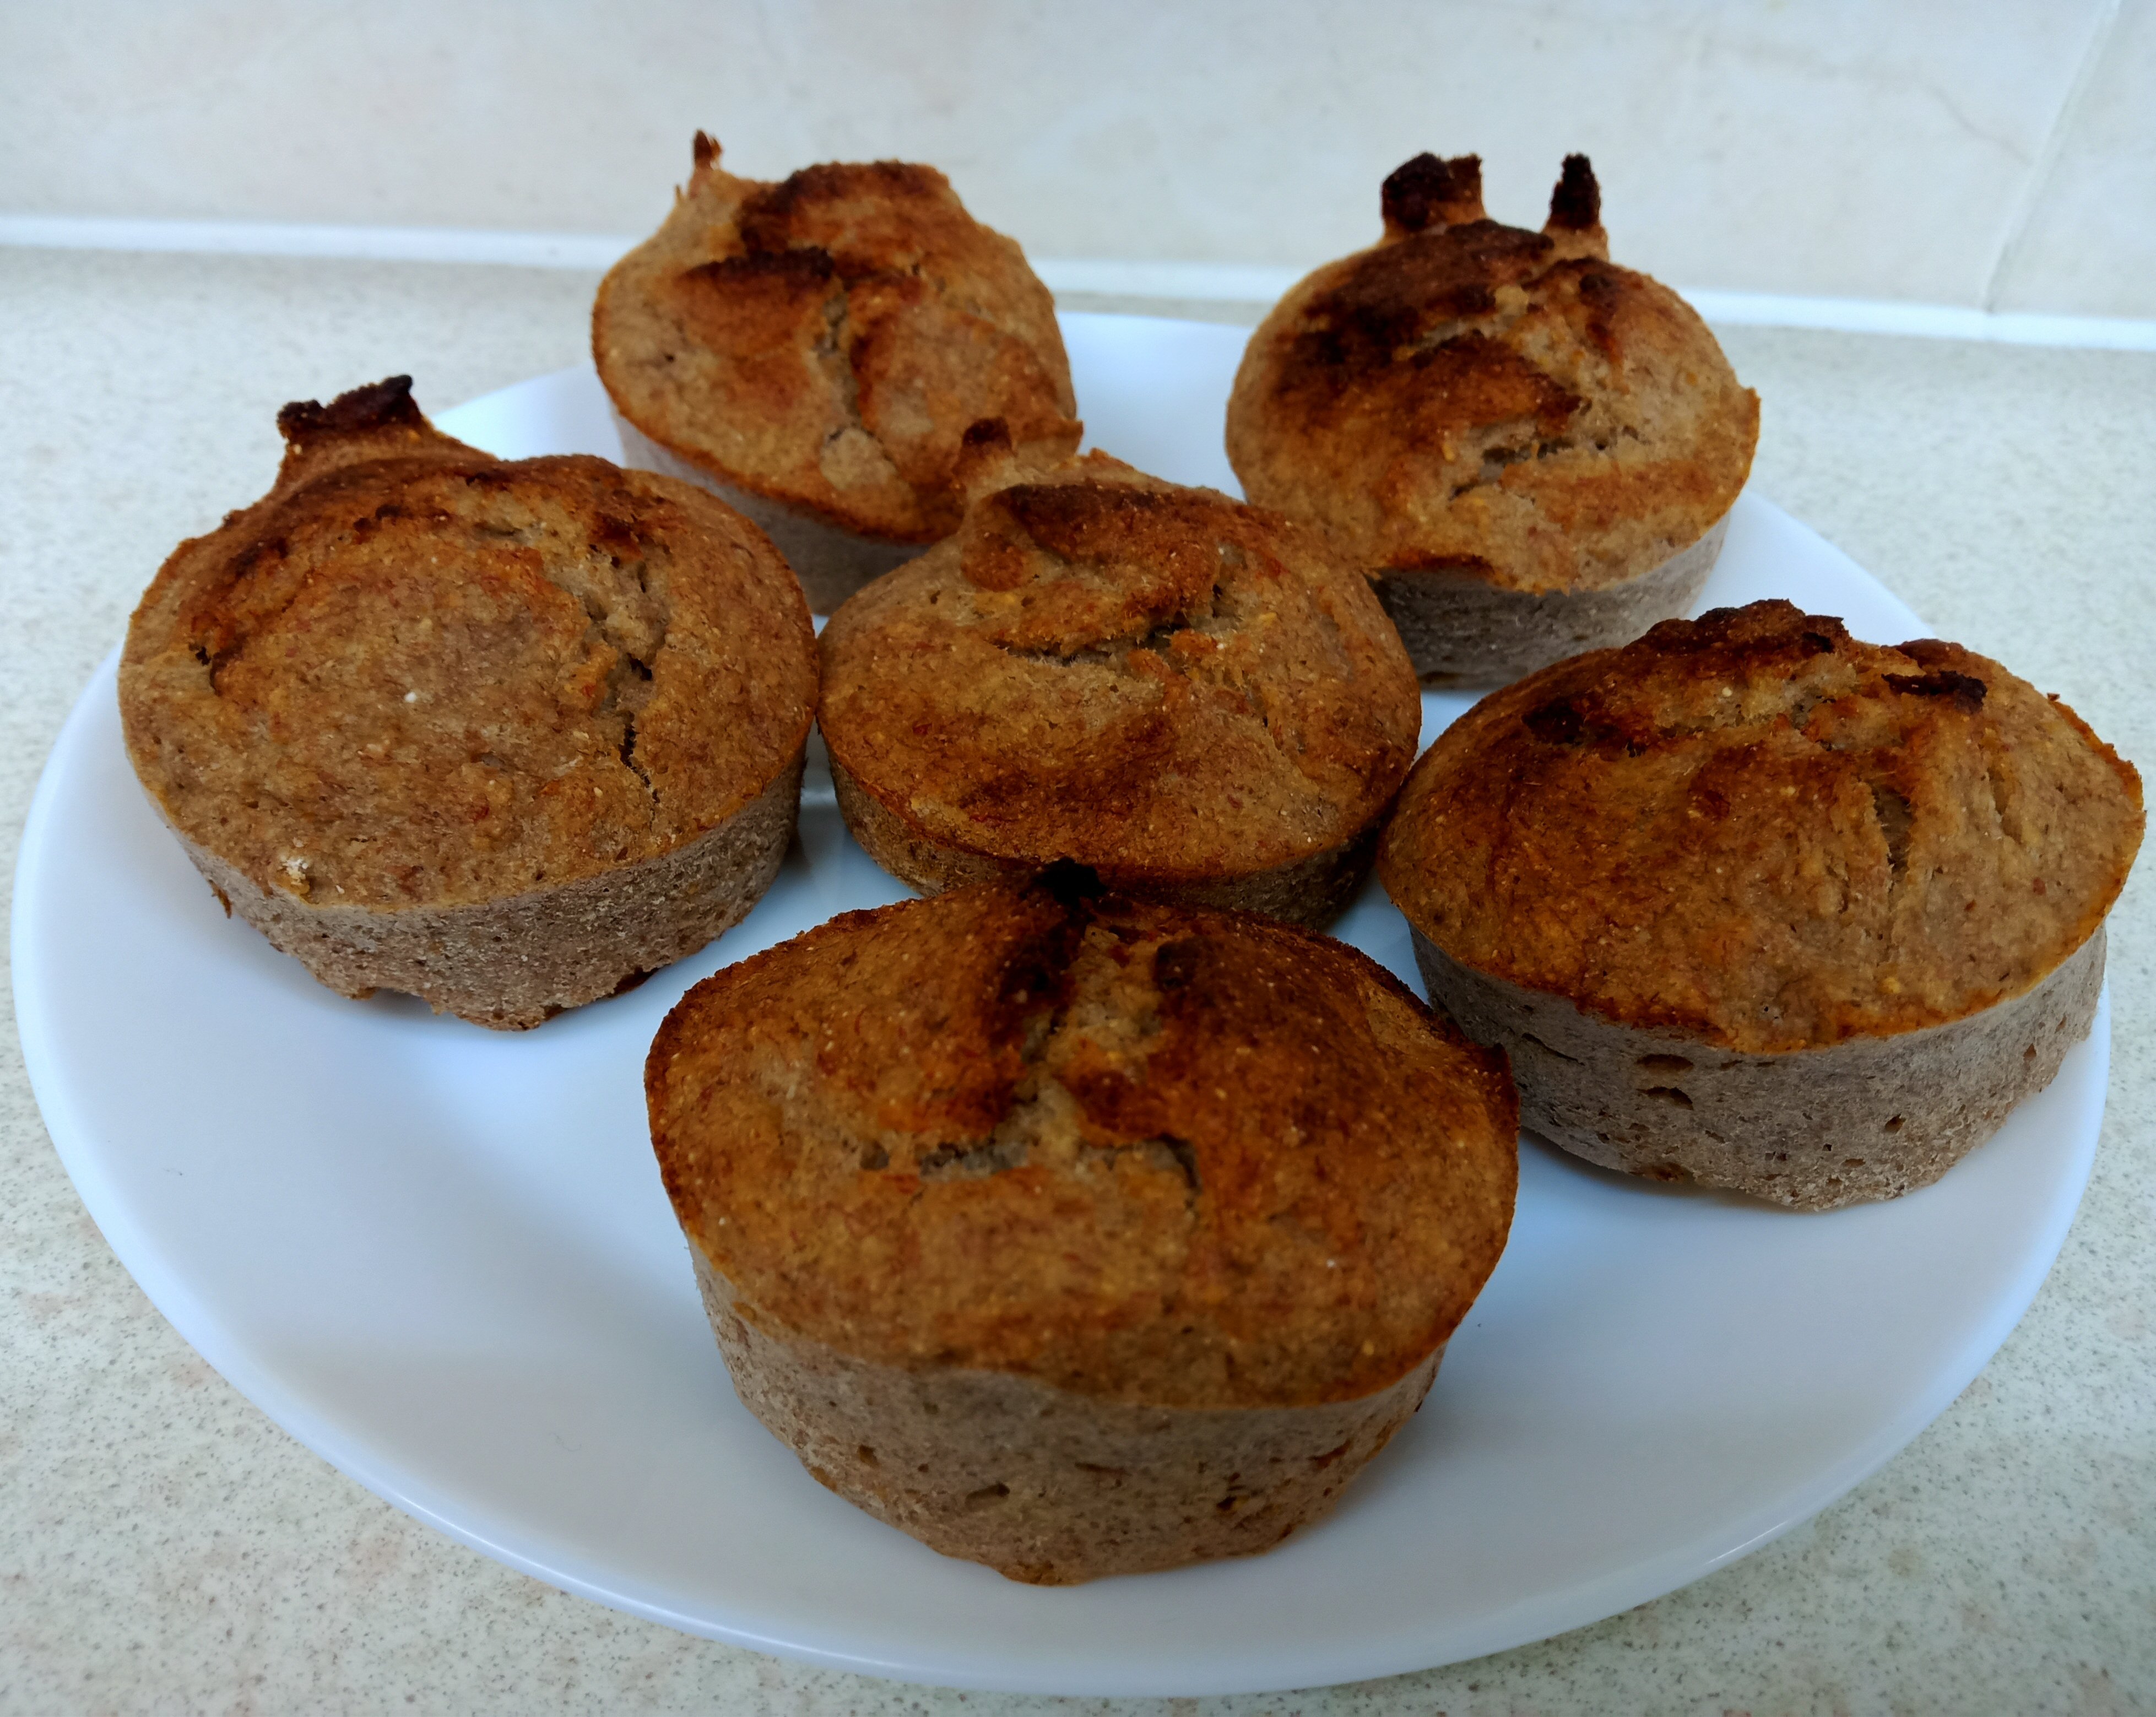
x: 1311, y: 891
x: 1043, y: 1485
x: 1815, y: 1128
x: 831, y: 561
x: 1463, y: 630
x: 512, y: 962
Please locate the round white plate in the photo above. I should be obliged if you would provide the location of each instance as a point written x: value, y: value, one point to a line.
x: 442, y: 1259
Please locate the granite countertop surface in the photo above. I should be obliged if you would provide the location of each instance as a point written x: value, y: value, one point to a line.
x: 165, y: 1548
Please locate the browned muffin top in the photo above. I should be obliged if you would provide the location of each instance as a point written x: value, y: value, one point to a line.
x: 1179, y: 1157
x: 1155, y: 680
x: 415, y: 674
x: 1752, y: 828
x: 826, y: 341
x: 1472, y: 397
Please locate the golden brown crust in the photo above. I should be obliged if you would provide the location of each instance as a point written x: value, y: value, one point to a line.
x: 1134, y: 1152
x: 1154, y: 681
x: 414, y: 674
x: 1753, y: 829
x: 826, y: 341
x: 1465, y: 396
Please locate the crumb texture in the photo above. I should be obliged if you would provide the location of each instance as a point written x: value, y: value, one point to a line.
x: 1155, y: 680
x: 1469, y: 398
x: 1869, y: 1118
x: 1756, y: 829
x: 1045, y: 1486
x: 1131, y: 1152
x: 414, y: 676
x: 826, y: 341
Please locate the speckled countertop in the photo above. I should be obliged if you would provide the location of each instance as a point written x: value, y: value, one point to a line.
x: 164, y: 1547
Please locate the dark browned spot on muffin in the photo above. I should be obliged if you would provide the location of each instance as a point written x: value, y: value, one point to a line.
x: 1427, y: 190
x: 384, y: 405
x: 1404, y: 292
x: 1964, y: 690
x: 805, y: 266
x: 1557, y: 722
x: 768, y: 217
x: 1576, y: 203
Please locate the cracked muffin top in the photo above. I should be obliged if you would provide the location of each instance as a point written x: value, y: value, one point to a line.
x: 1468, y: 398
x: 1156, y: 681
x: 1755, y: 830
x: 1173, y: 1156
x: 413, y: 674
x: 826, y: 341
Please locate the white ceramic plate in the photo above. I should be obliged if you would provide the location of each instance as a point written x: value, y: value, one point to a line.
x: 441, y: 1257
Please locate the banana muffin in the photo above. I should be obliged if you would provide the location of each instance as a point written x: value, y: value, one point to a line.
x: 1532, y: 451
x: 1754, y: 904
x: 1075, y: 1235
x: 1198, y: 699
x: 813, y: 351
x: 503, y: 735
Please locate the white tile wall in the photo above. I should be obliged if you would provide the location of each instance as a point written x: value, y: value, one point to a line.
x: 1841, y: 147
x: 2090, y: 244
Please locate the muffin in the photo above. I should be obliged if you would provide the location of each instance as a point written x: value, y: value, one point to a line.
x: 814, y: 350
x: 1075, y: 1235
x: 1753, y: 904
x: 1196, y: 698
x: 503, y: 735
x: 1531, y: 451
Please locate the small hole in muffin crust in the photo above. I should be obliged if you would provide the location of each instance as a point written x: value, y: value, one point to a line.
x: 988, y: 1496
x: 2027, y: 1054
x: 868, y: 1455
x: 1665, y: 1064
x: 1668, y: 1094
x: 1892, y: 1126
x: 875, y: 1157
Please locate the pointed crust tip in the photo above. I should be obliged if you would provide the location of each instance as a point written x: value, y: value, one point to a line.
x: 1427, y: 192
x: 379, y: 405
x: 1576, y: 203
